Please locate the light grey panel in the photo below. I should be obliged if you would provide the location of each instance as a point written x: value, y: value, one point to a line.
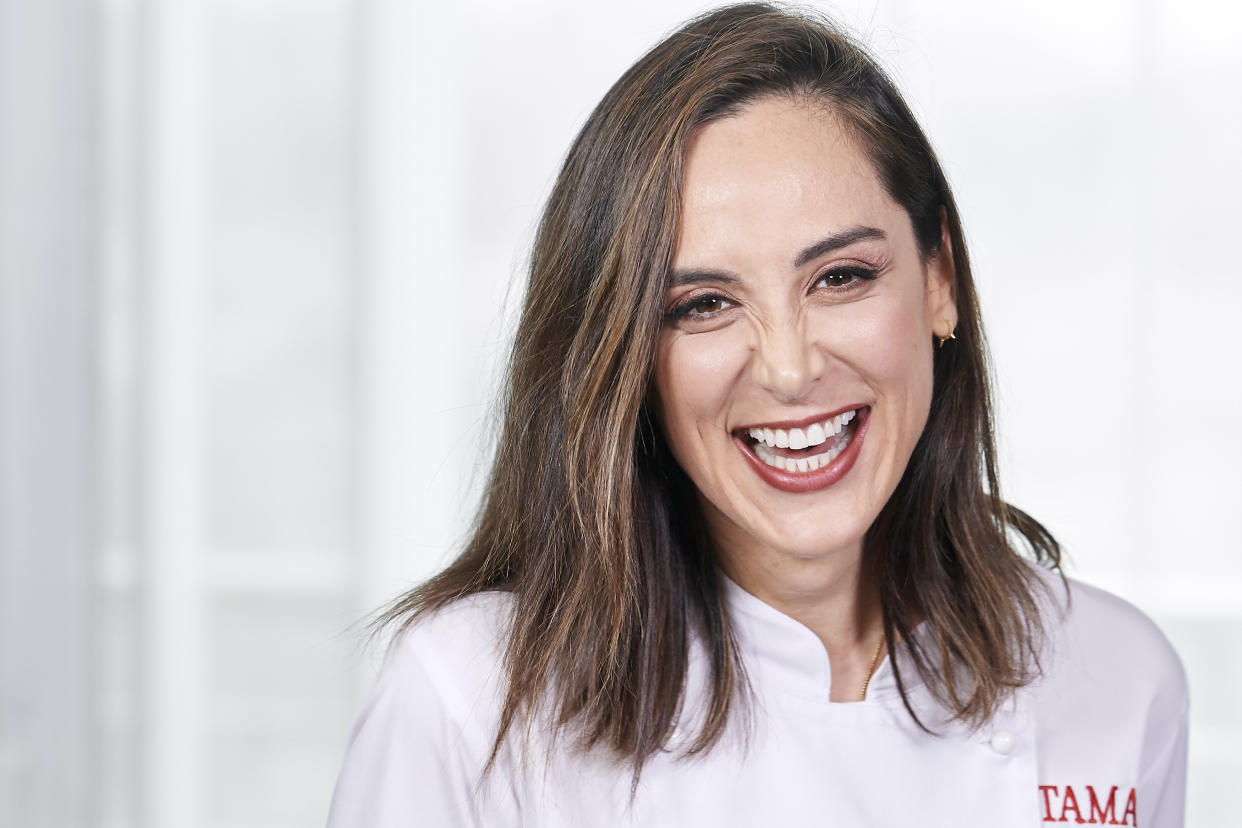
x: 48, y: 411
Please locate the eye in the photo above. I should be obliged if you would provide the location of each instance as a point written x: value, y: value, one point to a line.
x: 842, y: 279
x: 704, y: 306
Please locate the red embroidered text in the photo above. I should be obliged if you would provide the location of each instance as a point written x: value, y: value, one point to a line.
x: 1085, y: 806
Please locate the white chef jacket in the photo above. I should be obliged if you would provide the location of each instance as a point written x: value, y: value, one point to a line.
x: 1100, y: 738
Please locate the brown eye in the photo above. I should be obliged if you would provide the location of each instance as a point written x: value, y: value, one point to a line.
x: 707, y: 305
x: 846, y: 278
x: 701, y: 307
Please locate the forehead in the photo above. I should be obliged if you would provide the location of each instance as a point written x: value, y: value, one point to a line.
x: 776, y: 174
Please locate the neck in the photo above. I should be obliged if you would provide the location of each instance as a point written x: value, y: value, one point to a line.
x: 833, y: 595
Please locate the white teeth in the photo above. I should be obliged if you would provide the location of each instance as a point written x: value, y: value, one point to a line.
x: 762, y: 435
x: 800, y: 464
x: 796, y: 438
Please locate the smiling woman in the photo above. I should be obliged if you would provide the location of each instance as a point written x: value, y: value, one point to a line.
x: 742, y: 557
x: 770, y: 352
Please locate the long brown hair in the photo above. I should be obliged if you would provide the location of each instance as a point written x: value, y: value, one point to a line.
x: 586, y: 519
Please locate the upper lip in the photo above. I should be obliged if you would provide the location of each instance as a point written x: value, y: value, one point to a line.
x: 804, y: 422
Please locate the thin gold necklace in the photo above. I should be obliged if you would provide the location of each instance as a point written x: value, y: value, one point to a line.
x: 862, y: 694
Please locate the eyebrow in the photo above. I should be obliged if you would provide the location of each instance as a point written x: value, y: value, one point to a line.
x: 837, y: 241
x: 827, y: 244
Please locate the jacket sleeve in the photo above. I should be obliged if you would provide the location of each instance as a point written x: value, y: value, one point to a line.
x: 412, y: 759
x: 1164, y: 779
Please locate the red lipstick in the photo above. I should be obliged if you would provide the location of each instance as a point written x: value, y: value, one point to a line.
x: 802, y: 482
x: 803, y: 423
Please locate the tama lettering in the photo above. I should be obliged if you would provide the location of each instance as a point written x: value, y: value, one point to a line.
x: 1085, y: 806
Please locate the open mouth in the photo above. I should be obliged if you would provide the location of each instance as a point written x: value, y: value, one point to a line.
x: 807, y: 456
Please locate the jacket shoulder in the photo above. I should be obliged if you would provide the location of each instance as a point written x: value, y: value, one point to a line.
x: 457, y: 652
x: 1109, y: 676
x: 418, y: 748
x: 1100, y: 640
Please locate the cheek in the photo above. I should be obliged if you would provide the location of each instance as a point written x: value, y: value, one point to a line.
x: 903, y: 361
x: 902, y: 343
x: 888, y: 344
x: 695, y: 378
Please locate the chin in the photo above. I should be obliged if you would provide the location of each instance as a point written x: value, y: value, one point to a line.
x: 813, y: 545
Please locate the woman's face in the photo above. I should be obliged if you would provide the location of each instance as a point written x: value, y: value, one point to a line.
x: 794, y: 372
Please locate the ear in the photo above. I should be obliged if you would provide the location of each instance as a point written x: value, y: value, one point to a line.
x: 941, y: 284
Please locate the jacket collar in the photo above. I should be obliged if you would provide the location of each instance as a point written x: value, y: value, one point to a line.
x: 786, y: 655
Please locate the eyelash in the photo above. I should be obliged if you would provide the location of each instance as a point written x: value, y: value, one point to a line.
x: 860, y: 275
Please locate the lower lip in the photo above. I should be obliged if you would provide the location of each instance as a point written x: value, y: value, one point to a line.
x: 822, y: 478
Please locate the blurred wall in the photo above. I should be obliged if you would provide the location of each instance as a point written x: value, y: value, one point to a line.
x: 49, y: 411
x: 258, y: 266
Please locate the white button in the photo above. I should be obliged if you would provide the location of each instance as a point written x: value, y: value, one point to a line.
x: 1002, y: 741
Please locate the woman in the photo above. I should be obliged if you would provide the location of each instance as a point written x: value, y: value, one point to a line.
x: 741, y: 559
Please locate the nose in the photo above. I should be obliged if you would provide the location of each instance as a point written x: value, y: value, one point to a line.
x: 786, y: 362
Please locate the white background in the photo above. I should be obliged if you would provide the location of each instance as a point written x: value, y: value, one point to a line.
x: 258, y: 260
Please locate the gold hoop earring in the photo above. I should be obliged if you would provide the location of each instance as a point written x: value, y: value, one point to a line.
x: 944, y: 339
